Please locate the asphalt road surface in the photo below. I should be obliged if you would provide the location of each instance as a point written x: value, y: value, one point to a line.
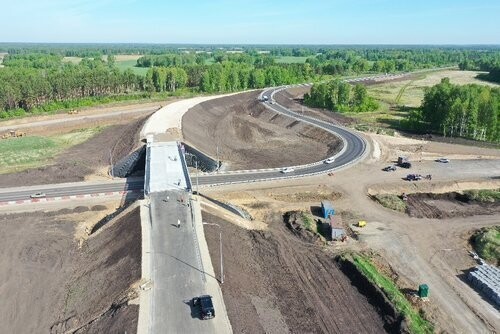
x: 69, y: 189
x: 353, y: 149
x: 179, y: 272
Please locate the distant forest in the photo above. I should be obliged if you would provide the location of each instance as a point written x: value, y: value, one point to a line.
x: 38, y: 78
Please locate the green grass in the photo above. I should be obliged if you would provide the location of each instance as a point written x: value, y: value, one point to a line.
x: 210, y: 61
x: 130, y: 64
x: 290, y: 60
x: 17, y: 154
x: 483, y: 195
x: 416, y: 323
x: 487, y: 243
x: 308, y: 222
x: 392, y: 202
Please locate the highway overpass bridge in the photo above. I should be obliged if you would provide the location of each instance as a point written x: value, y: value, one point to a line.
x: 180, y: 265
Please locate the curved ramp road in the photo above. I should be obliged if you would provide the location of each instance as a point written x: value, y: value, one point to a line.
x: 354, y: 147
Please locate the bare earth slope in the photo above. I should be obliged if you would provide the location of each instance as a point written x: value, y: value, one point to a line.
x: 250, y: 136
x: 276, y: 283
x: 50, y: 285
x: 89, y: 158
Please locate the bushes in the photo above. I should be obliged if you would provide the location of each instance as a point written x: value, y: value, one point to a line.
x: 392, y: 202
x: 487, y: 244
x: 483, y: 195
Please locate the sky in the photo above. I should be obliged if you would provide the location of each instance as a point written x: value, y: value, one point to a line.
x: 252, y: 22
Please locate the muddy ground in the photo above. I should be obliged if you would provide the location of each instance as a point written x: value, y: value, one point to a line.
x: 51, y: 285
x: 78, y: 163
x: 277, y: 283
x: 250, y: 136
x: 448, y: 205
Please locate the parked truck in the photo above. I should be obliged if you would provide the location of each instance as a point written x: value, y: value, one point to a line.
x: 403, y: 162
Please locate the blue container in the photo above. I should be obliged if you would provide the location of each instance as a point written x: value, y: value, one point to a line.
x: 327, y: 209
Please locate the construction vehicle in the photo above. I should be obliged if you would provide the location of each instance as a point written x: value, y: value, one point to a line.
x: 404, y: 162
x: 73, y: 112
x: 13, y: 134
x: 362, y: 223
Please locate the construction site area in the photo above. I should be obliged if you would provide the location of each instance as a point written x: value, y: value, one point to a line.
x: 75, y: 266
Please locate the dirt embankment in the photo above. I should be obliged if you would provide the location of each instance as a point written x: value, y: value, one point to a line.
x: 277, y: 283
x: 448, y: 205
x: 50, y: 285
x: 84, y: 160
x: 248, y: 135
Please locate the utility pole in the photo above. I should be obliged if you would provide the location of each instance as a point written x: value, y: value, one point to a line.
x: 221, y: 280
x: 217, y: 155
x: 111, y: 163
x: 197, y: 185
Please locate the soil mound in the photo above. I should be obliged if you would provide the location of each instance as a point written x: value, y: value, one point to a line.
x: 294, y: 221
x: 247, y: 135
x: 50, y: 285
x: 277, y: 283
x: 448, y: 205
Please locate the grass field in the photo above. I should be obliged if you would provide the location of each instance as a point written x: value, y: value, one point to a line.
x: 73, y: 60
x: 396, y: 99
x: 2, y: 55
x: 411, y: 92
x: 123, y: 62
x: 126, y: 64
x: 290, y: 60
x: 17, y: 154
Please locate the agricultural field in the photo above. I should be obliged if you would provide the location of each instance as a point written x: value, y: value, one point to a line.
x: 2, y: 54
x: 130, y: 64
x: 123, y: 62
x: 17, y: 154
x: 396, y: 98
x: 73, y: 60
x: 411, y: 92
x: 290, y: 60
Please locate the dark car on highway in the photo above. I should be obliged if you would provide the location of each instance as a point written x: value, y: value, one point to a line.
x: 205, y: 305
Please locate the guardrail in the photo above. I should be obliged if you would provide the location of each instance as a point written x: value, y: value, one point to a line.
x: 307, y: 119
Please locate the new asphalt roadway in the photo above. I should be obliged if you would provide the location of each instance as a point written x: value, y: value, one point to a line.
x: 354, y: 146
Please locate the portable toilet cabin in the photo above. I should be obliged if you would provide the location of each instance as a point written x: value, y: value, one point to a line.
x: 327, y: 209
x: 423, y: 291
x: 336, y: 227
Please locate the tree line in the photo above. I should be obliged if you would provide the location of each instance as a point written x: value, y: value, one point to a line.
x: 470, y: 111
x: 227, y: 76
x: 32, y: 89
x: 340, y: 96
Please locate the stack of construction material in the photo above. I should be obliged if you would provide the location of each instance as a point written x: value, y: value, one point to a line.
x: 486, y: 279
